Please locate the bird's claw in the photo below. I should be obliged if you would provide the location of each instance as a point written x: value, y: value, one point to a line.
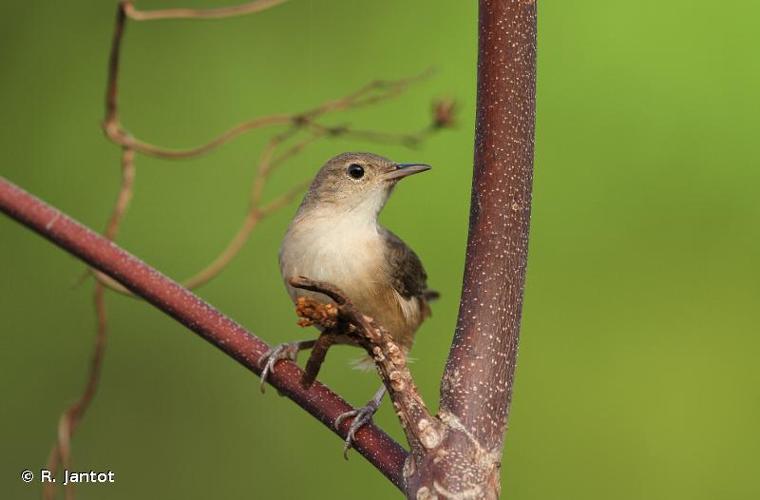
x: 287, y: 350
x: 361, y: 416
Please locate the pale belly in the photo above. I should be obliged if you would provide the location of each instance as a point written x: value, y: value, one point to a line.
x: 355, y: 265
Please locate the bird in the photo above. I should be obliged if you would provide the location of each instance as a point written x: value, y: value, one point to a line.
x: 335, y: 237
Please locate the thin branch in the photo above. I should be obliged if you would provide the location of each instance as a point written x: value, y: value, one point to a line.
x: 218, y: 13
x: 221, y: 261
x: 410, y: 140
x: 269, y: 162
x: 117, y: 134
x: 181, y: 304
x: 423, y: 431
x: 317, y: 356
x: 123, y: 138
x: 72, y: 416
x: 69, y: 420
x: 374, y: 92
x: 370, y: 93
x: 284, y: 199
x: 125, y: 194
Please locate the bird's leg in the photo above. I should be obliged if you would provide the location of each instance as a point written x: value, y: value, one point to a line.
x: 287, y: 350
x: 361, y: 416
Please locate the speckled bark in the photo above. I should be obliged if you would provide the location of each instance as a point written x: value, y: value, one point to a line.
x: 423, y: 430
x: 457, y: 453
x: 477, y: 384
x: 184, y: 306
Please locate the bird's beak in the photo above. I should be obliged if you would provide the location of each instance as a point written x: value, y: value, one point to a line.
x: 402, y: 170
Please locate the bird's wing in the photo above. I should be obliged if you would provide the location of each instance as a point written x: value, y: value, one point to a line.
x: 407, y: 274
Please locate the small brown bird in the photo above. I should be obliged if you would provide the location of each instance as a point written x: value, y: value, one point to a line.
x: 335, y: 237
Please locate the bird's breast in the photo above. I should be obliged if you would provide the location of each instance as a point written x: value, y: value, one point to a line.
x: 351, y: 256
x: 346, y: 255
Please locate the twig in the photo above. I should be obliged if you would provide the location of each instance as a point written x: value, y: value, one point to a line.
x: 268, y: 163
x: 374, y: 92
x: 423, y: 431
x: 370, y: 93
x: 220, y: 12
x: 317, y: 356
x: 307, y: 121
x: 181, y: 304
x: 70, y: 418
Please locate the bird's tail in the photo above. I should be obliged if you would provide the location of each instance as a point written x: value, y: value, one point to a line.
x: 363, y: 364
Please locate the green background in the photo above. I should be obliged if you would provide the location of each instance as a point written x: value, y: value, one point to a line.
x: 638, y: 374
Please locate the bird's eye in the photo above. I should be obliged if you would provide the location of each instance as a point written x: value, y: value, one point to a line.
x: 355, y: 171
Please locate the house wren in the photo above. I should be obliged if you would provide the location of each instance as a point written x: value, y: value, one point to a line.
x: 335, y: 237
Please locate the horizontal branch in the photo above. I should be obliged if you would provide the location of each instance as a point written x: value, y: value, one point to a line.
x: 184, y: 306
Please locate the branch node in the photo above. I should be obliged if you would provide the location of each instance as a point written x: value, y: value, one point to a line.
x: 444, y: 113
x: 313, y: 312
x: 424, y: 431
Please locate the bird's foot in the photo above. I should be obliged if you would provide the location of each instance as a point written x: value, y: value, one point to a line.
x: 286, y: 350
x: 361, y: 416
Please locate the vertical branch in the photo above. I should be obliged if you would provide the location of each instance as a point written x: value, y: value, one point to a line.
x: 485, y: 344
x: 477, y: 383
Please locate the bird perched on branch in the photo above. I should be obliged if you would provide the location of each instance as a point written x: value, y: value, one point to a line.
x: 335, y: 237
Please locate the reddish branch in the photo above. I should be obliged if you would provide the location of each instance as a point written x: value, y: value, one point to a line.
x: 181, y: 304
x: 421, y: 428
x: 70, y: 419
x: 457, y: 453
x: 485, y: 343
x: 306, y: 121
x: 270, y: 160
x: 476, y: 388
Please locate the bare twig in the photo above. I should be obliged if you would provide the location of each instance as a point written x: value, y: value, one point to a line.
x: 374, y: 92
x: 181, y: 304
x: 125, y: 193
x: 270, y: 160
x: 457, y: 454
x: 317, y: 356
x: 220, y: 12
x: 423, y: 431
x: 268, y: 163
x: 69, y: 420
x: 370, y: 93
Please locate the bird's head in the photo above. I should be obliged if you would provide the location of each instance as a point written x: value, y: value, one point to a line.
x: 357, y: 182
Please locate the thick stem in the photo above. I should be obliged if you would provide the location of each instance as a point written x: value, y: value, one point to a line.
x: 181, y: 304
x: 477, y: 384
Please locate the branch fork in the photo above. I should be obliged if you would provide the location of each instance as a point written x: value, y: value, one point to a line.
x: 455, y: 454
x: 423, y: 430
x: 433, y: 439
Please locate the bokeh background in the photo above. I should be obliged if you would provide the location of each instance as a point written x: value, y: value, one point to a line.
x: 638, y: 374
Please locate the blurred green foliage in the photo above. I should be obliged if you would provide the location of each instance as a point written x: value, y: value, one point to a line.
x: 638, y: 374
